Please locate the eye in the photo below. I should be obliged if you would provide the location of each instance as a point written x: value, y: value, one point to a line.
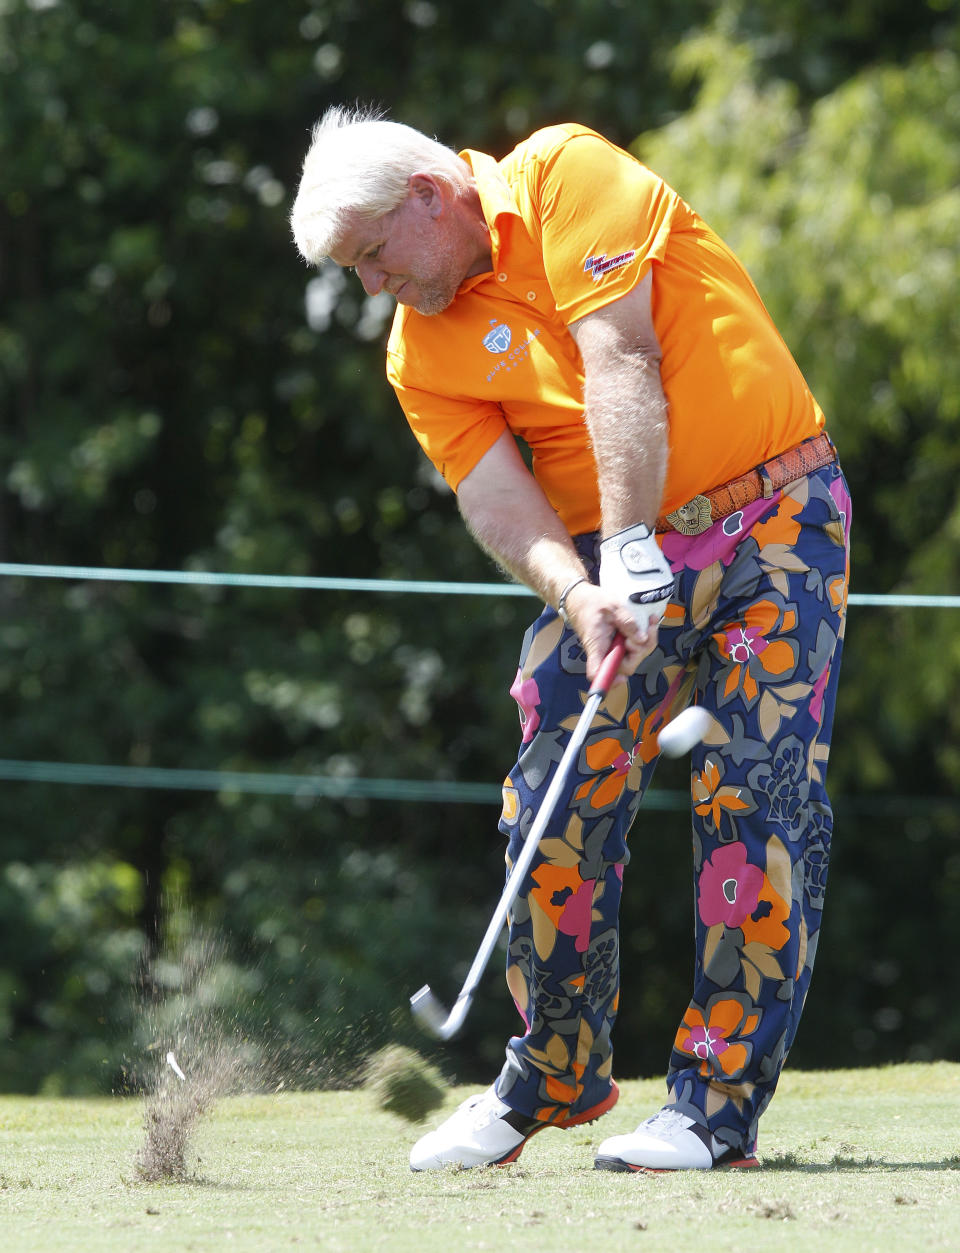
x: 370, y: 255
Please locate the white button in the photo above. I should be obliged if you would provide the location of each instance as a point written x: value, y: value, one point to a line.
x: 501, y: 277
x: 531, y: 295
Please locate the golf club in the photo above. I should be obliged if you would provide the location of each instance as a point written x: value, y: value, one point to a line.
x: 426, y: 1007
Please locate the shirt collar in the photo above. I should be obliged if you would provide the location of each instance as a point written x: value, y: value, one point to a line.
x: 496, y: 197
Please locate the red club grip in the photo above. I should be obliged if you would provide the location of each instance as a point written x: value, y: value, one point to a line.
x: 609, y: 667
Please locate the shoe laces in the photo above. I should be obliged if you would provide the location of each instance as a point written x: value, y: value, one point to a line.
x: 666, y: 1122
x: 482, y: 1108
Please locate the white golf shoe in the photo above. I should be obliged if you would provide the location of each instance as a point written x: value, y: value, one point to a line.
x: 669, y: 1141
x: 484, y: 1131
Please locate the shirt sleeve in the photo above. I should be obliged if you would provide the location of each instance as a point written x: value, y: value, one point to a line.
x: 453, y: 433
x: 603, y: 218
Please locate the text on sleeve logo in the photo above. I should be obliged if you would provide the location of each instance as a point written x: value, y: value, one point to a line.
x: 602, y: 264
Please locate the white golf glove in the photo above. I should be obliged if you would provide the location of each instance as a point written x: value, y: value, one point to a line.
x: 633, y: 569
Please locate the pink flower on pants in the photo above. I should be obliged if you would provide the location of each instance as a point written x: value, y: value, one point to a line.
x: 527, y: 695
x: 705, y: 1042
x: 729, y: 887
x: 842, y: 497
x: 578, y: 915
x: 816, y: 700
x: 742, y: 644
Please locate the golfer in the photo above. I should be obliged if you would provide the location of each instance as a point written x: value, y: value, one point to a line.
x: 564, y: 309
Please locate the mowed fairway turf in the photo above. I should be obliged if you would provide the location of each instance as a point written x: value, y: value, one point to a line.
x: 853, y: 1160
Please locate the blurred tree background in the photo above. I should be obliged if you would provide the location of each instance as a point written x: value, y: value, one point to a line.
x: 178, y: 392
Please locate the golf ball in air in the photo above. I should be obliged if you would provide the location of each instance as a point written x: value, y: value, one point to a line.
x: 682, y: 732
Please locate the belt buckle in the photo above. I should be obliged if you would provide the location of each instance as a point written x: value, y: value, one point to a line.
x: 693, y: 518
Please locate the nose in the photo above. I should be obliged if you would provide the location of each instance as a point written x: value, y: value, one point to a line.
x: 371, y: 278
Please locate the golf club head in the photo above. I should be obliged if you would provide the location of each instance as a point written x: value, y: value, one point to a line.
x: 428, y: 1011
x: 432, y: 1016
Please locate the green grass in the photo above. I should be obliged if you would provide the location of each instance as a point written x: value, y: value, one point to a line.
x: 853, y: 1160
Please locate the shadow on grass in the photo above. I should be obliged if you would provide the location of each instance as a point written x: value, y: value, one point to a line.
x: 790, y: 1162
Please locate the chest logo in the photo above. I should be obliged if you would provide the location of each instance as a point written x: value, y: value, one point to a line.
x: 603, y: 264
x: 498, y: 340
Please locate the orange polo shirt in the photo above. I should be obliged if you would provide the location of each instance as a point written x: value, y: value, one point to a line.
x: 576, y: 222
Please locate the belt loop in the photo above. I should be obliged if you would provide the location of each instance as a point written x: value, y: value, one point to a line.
x: 766, y: 483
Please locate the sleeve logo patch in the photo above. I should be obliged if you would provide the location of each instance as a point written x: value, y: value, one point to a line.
x: 603, y: 264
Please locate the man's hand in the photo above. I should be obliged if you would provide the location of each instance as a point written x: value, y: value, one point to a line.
x: 508, y: 514
x: 634, y: 570
x: 597, y: 616
x: 636, y: 584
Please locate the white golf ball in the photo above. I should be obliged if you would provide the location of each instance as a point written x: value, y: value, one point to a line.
x: 686, y: 729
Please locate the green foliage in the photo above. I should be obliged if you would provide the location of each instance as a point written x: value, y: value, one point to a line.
x: 177, y: 392
x: 73, y: 929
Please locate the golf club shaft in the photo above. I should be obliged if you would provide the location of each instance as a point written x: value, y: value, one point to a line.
x: 598, y: 690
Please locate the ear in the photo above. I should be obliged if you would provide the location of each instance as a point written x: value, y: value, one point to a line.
x: 428, y: 192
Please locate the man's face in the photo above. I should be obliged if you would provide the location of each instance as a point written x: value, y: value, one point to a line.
x: 411, y: 253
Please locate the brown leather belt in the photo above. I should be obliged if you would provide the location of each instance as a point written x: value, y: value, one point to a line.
x: 697, y: 515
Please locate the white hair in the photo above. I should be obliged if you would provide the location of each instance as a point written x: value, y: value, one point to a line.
x: 359, y: 164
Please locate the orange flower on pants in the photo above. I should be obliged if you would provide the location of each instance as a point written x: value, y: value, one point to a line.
x: 711, y: 798
x: 770, y: 929
x: 616, y: 764
x: 781, y: 527
x: 752, y: 654
x: 708, y: 1037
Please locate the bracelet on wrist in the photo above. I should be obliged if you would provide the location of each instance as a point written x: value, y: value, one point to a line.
x: 562, y: 602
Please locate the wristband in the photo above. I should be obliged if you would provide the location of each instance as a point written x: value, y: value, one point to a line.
x: 562, y: 602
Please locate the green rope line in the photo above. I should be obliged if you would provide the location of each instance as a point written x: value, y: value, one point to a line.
x: 205, y: 578
x: 421, y: 791
x: 429, y: 791
x: 298, y: 785
x: 208, y: 578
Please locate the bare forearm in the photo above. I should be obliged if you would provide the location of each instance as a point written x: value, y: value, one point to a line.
x: 626, y: 409
x: 511, y: 518
x: 626, y: 413
x: 529, y: 543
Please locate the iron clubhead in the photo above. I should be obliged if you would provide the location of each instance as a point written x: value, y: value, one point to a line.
x: 428, y: 1011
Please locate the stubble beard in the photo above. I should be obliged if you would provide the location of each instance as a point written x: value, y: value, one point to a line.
x: 433, y: 301
x: 437, y: 290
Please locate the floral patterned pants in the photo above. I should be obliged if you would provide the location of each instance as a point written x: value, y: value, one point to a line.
x: 754, y: 635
